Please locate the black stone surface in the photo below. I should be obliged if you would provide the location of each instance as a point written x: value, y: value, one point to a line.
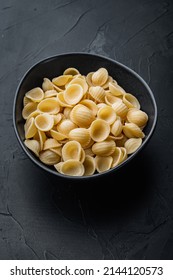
x: 42, y: 217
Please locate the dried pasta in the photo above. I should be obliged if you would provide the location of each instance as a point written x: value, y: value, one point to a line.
x: 82, y: 124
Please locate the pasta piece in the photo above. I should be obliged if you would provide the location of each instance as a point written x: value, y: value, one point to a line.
x: 49, y: 157
x: 107, y: 113
x: 131, y: 101
x: 50, y: 93
x: 132, y: 145
x: 65, y: 126
x: 62, y: 80
x: 71, y: 150
x: 120, y: 108
x: 30, y: 128
x: 103, y: 163
x: 80, y: 82
x: 33, y: 145
x: 62, y: 101
x: 72, y: 167
x: 89, y: 79
x: 117, y: 157
x: 81, y: 135
x: 100, y: 77
x: 105, y: 148
x: 47, y: 84
x: 99, y: 130
x: 26, y: 100
x: 35, y: 94
x: 116, y: 128
x: 73, y: 94
x: 106, y: 85
x: 49, y: 105
x: 132, y: 130
x: 98, y: 93
x: 29, y: 109
x: 41, y: 138
x: 89, y: 165
x: 57, y: 135
x: 90, y: 105
x: 44, y: 122
x: 116, y: 89
x: 82, y: 116
x: 71, y: 71
x: 137, y: 117
x: 51, y: 143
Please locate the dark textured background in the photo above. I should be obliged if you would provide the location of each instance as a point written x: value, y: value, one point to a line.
x: 42, y: 217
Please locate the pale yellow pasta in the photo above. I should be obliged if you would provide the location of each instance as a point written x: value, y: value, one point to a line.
x: 106, y: 85
x: 132, y: 145
x: 90, y: 105
x: 97, y: 93
x: 71, y: 150
x: 50, y: 93
x: 124, y: 154
x: 116, y: 128
x: 58, y: 118
x: 82, y: 124
x: 117, y: 156
x: 35, y: 94
x: 100, y: 77
x: 51, y: 143
x: 44, y: 122
x: 138, y: 117
x: 99, y: 130
x: 82, y: 116
x: 110, y: 99
x: 65, y: 126
x: 57, y: 151
x: 81, y: 82
x: 57, y: 135
x: 104, y: 148
x: 131, y: 101
x: 103, y: 163
x: 62, y: 80
x: 49, y: 105
x: 89, y: 165
x: 29, y: 109
x: 71, y: 71
x: 33, y: 145
x: 120, y: 108
x: 49, y: 157
x: 26, y: 100
x: 72, y: 167
x: 81, y: 135
x: 47, y: 85
x: 61, y: 100
x: 132, y: 130
x: 107, y: 113
x: 73, y: 94
x: 116, y: 89
x: 66, y: 112
x: 41, y: 137
x: 30, y: 128
x: 89, y: 79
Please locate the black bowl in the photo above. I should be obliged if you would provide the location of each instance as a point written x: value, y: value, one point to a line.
x: 85, y: 63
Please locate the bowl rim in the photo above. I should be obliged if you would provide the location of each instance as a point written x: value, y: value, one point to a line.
x: 95, y: 175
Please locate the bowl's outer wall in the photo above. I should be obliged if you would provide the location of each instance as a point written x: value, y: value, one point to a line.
x: 85, y: 63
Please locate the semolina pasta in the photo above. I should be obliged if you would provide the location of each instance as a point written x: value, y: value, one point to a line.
x: 82, y: 124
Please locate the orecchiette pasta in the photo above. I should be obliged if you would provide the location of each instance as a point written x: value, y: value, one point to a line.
x: 82, y: 124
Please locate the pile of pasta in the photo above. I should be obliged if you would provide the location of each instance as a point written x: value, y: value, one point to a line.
x: 82, y: 124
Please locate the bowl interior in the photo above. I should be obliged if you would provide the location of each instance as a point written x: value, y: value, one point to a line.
x: 85, y: 63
